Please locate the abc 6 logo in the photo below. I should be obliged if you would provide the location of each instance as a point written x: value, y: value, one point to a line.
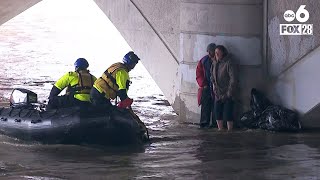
x: 289, y: 15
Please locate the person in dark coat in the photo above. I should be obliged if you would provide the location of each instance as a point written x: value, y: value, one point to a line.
x: 205, y: 91
x: 224, y: 81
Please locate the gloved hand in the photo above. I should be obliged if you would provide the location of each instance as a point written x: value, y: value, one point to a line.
x: 125, y: 103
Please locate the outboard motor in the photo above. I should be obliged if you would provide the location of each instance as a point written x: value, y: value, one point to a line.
x: 22, y: 98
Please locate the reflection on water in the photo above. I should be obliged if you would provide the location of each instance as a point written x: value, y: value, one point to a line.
x: 41, y: 45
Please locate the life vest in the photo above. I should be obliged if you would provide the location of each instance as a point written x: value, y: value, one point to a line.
x: 84, y: 85
x: 107, y: 82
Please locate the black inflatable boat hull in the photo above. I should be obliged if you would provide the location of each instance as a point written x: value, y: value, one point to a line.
x: 71, y: 126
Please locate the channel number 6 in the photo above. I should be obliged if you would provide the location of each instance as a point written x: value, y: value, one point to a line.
x: 289, y: 15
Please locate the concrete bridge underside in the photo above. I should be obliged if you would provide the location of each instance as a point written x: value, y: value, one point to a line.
x: 172, y: 35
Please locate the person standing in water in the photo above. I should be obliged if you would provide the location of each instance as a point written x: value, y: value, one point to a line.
x: 223, y: 79
x: 205, y: 90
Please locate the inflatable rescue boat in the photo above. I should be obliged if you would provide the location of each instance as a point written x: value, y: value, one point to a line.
x: 27, y: 120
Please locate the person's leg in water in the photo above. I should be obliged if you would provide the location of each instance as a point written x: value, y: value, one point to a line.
x: 213, y: 114
x: 228, y: 113
x: 206, y: 108
x: 219, y: 114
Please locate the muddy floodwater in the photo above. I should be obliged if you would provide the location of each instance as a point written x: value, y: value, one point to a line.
x: 40, y: 45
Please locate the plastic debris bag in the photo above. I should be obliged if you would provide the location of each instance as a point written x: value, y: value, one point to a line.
x: 267, y: 116
x: 277, y: 118
x: 258, y: 102
x: 248, y: 120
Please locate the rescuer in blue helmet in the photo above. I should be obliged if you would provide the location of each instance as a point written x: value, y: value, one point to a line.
x: 78, y: 84
x: 114, y: 83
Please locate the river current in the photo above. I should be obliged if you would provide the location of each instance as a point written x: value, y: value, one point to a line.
x: 40, y: 45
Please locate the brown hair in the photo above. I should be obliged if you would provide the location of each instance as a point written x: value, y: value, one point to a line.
x: 223, y: 50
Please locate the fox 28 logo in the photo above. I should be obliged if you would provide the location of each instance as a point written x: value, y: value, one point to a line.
x: 302, y: 16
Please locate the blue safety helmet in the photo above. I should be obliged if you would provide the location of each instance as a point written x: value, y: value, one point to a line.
x: 130, y: 58
x: 81, y: 63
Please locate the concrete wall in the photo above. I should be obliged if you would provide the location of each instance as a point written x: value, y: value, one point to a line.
x: 293, y: 61
x: 163, y: 15
x: 298, y: 89
x: 11, y: 8
x: 284, y: 51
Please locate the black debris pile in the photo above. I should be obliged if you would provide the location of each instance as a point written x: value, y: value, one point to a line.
x: 265, y: 115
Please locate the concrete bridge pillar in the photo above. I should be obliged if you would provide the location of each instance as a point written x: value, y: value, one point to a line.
x: 236, y: 24
x: 11, y: 8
